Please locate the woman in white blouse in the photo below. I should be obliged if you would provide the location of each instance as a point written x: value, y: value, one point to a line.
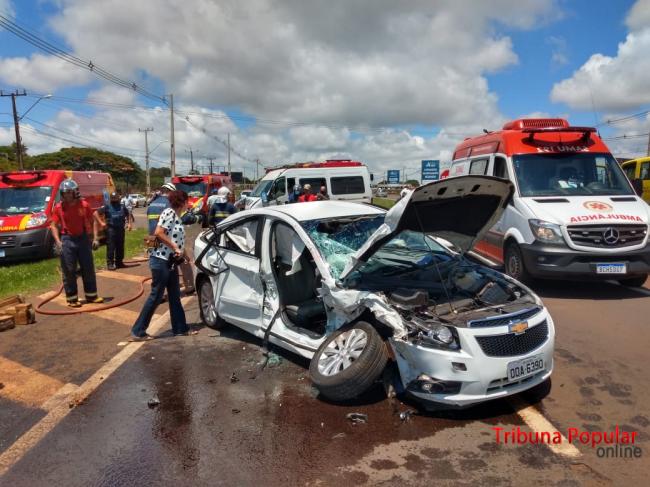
x: 163, y: 262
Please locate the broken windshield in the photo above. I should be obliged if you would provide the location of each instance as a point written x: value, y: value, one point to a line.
x: 338, y: 239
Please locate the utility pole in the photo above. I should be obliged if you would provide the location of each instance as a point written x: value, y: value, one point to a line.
x: 191, y: 161
x: 229, y: 173
x: 257, y: 166
x: 146, y: 156
x: 211, y: 159
x: 19, y: 145
x: 648, y: 151
x: 172, y: 148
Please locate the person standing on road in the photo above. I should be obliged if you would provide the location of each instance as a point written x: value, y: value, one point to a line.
x: 117, y: 217
x: 159, y: 204
x: 163, y: 262
x: 222, y: 208
x: 76, y: 221
x: 307, y: 195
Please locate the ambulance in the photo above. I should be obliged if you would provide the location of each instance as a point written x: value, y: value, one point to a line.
x: 574, y: 213
x: 344, y: 179
x: 27, y: 199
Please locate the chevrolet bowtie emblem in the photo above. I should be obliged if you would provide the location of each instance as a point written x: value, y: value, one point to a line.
x: 518, y: 327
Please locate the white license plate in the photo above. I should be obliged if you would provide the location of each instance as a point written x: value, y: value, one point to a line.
x: 611, y: 268
x: 2, y: 252
x: 524, y: 368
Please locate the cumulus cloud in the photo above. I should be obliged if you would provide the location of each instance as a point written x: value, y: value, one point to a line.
x: 41, y: 73
x: 613, y: 83
x: 369, y: 62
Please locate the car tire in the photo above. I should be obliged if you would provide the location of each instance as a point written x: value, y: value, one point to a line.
x: 339, y: 379
x: 513, y: 261
x: 638, y: 281
x: 207, y: 307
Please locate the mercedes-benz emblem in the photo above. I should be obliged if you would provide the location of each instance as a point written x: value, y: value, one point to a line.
x: 610, y: 236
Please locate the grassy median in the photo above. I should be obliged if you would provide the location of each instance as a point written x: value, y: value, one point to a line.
x: 42, y: 275
x: 383, y: 202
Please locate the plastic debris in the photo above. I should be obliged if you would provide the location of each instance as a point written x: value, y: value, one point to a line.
x: 406, y: 415
x: 357, y: 418
x: 274, y: 360
x: 153, y: 402
x: 234, y: 378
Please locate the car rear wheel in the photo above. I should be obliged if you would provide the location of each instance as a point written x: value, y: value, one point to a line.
x: 514, y: 265
x: 207, y: 306
x: 348, y: 362
x: 634, y: 281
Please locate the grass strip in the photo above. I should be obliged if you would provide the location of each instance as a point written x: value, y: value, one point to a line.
x: 42, y: 275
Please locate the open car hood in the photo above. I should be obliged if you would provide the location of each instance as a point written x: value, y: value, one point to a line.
x: 459, y: 210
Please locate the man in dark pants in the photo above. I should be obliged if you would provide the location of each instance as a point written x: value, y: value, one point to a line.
x: 76, y: 219
x: 117, y: 216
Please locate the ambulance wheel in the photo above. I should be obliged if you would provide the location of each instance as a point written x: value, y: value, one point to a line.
x: 514, y: 265
x: 207, y: 306
x: 638, y: 281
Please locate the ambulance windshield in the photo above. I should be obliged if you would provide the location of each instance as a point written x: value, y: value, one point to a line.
x: 23, y: 201
x: 574, y: 174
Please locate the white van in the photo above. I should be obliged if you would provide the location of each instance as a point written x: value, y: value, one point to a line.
x: 344, y: 179
x: 574, y: 214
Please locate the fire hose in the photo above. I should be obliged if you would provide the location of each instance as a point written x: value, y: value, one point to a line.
x: 94, y: 308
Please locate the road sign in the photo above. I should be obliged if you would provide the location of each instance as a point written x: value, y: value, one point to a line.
x: 430, y: 170
x: 393, y: 176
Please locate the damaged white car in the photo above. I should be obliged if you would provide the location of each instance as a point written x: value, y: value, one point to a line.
x: 361, y: 291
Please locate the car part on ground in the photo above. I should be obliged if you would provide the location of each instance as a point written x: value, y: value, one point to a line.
x: 348, y: 362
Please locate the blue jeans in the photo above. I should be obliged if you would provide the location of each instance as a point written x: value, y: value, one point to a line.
x: 162, y: 277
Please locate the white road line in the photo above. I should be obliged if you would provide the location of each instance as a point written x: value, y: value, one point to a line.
x: 59, y: 407
x: 537, y: 422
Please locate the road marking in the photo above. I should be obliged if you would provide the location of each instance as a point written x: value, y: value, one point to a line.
x: 25, y: 385
x: 537, y: 422
x: 60, y: 407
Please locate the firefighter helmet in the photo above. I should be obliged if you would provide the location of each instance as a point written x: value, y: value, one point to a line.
x: 69, y: 185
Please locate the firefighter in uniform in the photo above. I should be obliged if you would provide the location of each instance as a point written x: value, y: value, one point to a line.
x: 76, y: 220
x: 222, y: 208
x: 117, y: 216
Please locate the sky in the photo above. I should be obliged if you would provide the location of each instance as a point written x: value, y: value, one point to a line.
x: 384, y: 82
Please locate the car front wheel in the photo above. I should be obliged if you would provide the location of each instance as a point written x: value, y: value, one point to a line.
x: 348, y: 362
x: 514, y: 265
x: 207, y: 305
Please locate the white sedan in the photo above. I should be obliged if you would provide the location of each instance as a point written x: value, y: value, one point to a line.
x: 138, y: 200
x: 355, y: 289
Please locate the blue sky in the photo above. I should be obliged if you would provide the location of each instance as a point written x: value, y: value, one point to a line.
x: 387, y: 84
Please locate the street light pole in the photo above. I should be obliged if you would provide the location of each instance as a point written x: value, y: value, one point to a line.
x: 146, y: 156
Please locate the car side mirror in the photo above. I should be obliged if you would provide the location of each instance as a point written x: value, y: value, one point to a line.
x: 637, y: 184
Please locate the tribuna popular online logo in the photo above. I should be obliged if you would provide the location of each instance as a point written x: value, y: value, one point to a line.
x: 608, y: 444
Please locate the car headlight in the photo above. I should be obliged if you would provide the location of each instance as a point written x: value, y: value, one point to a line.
x: 36, y: 220
x: 546, y: 231
x: 440, y: 336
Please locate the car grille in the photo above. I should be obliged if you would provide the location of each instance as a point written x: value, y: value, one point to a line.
x: 511, y: 345
x: 7, y: 241
x: 607, y: 236
x: 504, y: 320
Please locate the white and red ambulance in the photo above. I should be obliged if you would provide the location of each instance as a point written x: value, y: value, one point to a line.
x: 574, y: 214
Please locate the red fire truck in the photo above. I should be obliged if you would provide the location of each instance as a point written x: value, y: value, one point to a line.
x: 199, y: 188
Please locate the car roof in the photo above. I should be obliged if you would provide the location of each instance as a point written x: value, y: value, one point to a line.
x: 321, y: 210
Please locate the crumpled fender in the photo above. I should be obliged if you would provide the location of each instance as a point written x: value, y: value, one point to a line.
x: 344, y: 305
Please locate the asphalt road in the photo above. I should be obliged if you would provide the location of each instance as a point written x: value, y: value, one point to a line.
x: 74, y: 409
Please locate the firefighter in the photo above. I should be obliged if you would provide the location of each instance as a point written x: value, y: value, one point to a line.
x: 77, y: 220
x: 117, y: 216
x: 158, y: 205
x: 222, y: 208
x: 307, y: 195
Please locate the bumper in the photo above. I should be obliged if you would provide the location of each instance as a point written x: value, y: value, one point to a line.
x: 561, y: 262
x: 24, y: 245
x: 485, y: 377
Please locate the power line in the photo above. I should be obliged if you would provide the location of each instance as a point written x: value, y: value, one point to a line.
x: 623, y: 119
x: 53, y: 50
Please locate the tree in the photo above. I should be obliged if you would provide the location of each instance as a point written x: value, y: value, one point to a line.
x: 413, y: 182
x: 158, y: 175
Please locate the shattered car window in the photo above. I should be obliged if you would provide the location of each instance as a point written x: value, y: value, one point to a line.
x: 243, y: 236
x: 338, y: 239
